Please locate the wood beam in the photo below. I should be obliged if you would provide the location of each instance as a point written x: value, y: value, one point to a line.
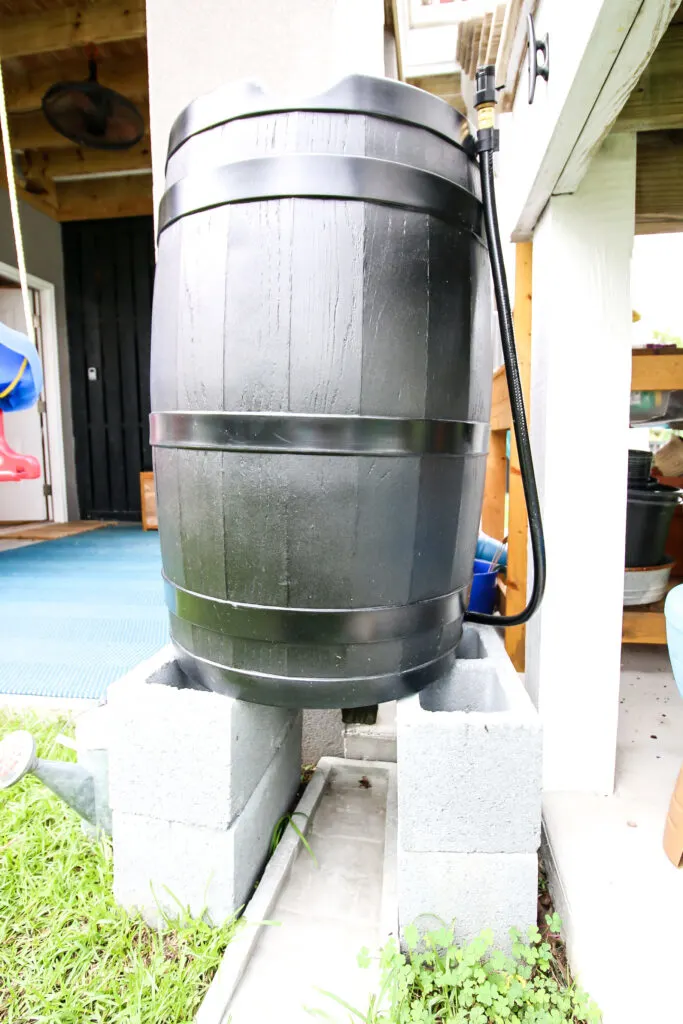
x: 518, y: 523
x: 59, y: 28
x: 25, y: 91
x: 32, y: 131
x: 446, y: 87
x: 105, y: 197
x: 659, y: 181
x: 656, y: 371
x: 61, y: 163
x: 45, y: 201
x: 634, y: 49
x: 495, y: 486
x: 657, y: 100
x: 512, y: 48
x: 604, y: 52
x: 501, y: 414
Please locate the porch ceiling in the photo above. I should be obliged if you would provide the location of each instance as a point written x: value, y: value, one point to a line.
x: 47, y: 41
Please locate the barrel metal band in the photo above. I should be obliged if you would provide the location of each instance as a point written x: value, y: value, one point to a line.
x: 357, y: 94
x: 302, y: 434
x: 212, y: 673
x: 313, y: 625
x: 322, y: 176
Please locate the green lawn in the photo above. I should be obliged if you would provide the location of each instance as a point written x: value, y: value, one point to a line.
x: 68, y: 953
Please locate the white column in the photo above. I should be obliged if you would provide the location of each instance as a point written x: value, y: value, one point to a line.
x: 290, y: 46
x: 580, y: 384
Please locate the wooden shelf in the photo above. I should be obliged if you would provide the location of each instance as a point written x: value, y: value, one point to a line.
x: 651, y: 371
x: 645, y: 623
x: 657, y: 371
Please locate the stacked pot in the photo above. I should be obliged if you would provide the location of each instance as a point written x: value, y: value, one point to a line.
x: 650, y: 509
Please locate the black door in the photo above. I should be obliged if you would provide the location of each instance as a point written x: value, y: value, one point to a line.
x: 108, y: 273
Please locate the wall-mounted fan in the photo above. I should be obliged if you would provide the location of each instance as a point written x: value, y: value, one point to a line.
x: 93, y: 115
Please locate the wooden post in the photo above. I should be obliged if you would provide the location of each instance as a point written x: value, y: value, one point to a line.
x: 516, y: 577
x: 493, y: 509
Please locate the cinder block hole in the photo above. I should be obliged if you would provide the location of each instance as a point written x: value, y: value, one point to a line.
x: 465, y: 691
x: 470, y: 646
x: 172, y: 675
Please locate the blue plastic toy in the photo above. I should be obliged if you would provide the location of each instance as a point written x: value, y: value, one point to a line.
x: 21, y: 375
x: 21, y: 381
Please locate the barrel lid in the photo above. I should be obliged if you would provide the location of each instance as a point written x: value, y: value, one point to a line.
x: 355, y: 94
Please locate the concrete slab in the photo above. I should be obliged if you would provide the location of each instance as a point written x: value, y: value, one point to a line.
x: 322, y: 734
x: 621, y: 900
x: 471, y: 891
x: 183, y: 754
x: 325, y: 910
x: 375, y: 742
x: 161, y: 862
x: 470, y: 749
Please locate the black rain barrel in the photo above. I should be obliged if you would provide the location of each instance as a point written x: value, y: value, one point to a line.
x: 321, y: 388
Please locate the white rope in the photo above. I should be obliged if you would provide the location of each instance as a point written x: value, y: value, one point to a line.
x: 14, y: 207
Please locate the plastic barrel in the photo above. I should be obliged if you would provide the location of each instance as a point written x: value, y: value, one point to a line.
x: 649, y: 512
x: 321, y: 387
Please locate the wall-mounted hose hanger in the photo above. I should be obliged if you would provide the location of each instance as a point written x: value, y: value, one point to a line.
x: 537, y: 47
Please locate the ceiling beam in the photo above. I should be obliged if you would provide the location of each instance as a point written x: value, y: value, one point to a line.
x: 45, y: 202
x: 104, y: 198
x: 638, y: 44
x: 59, y: 28
x: 659, y: 181
x: 657, y: 100
x: 25, y: 91
x: 604, y: 53
x: 32, y: 131
x: 62, y: 163
x: 447, y: 87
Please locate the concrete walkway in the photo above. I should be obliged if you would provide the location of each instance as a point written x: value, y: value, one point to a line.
x: 620, y: 898
x: 327, y: 909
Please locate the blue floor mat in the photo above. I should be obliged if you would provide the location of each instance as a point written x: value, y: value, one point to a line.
x: 77, y: 613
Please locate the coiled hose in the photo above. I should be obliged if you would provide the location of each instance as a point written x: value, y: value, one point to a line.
x: 516, y: 403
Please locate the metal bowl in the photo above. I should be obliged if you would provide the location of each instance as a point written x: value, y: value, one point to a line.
x: 646, y: 584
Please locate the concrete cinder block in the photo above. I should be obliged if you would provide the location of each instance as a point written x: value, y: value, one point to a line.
x: 469, y: 757
x: 322, y: 735
x: 183, y: 754
x: 472, y: 891
x: 376, y: 742
x: 206, y: 869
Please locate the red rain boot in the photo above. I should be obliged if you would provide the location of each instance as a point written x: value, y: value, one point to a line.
x: 13, y: 466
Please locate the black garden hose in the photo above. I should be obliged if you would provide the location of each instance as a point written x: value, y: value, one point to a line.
x: 516, y: 401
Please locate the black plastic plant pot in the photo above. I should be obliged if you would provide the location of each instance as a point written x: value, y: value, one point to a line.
x: 639, y: 467
x: 649, y: 512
